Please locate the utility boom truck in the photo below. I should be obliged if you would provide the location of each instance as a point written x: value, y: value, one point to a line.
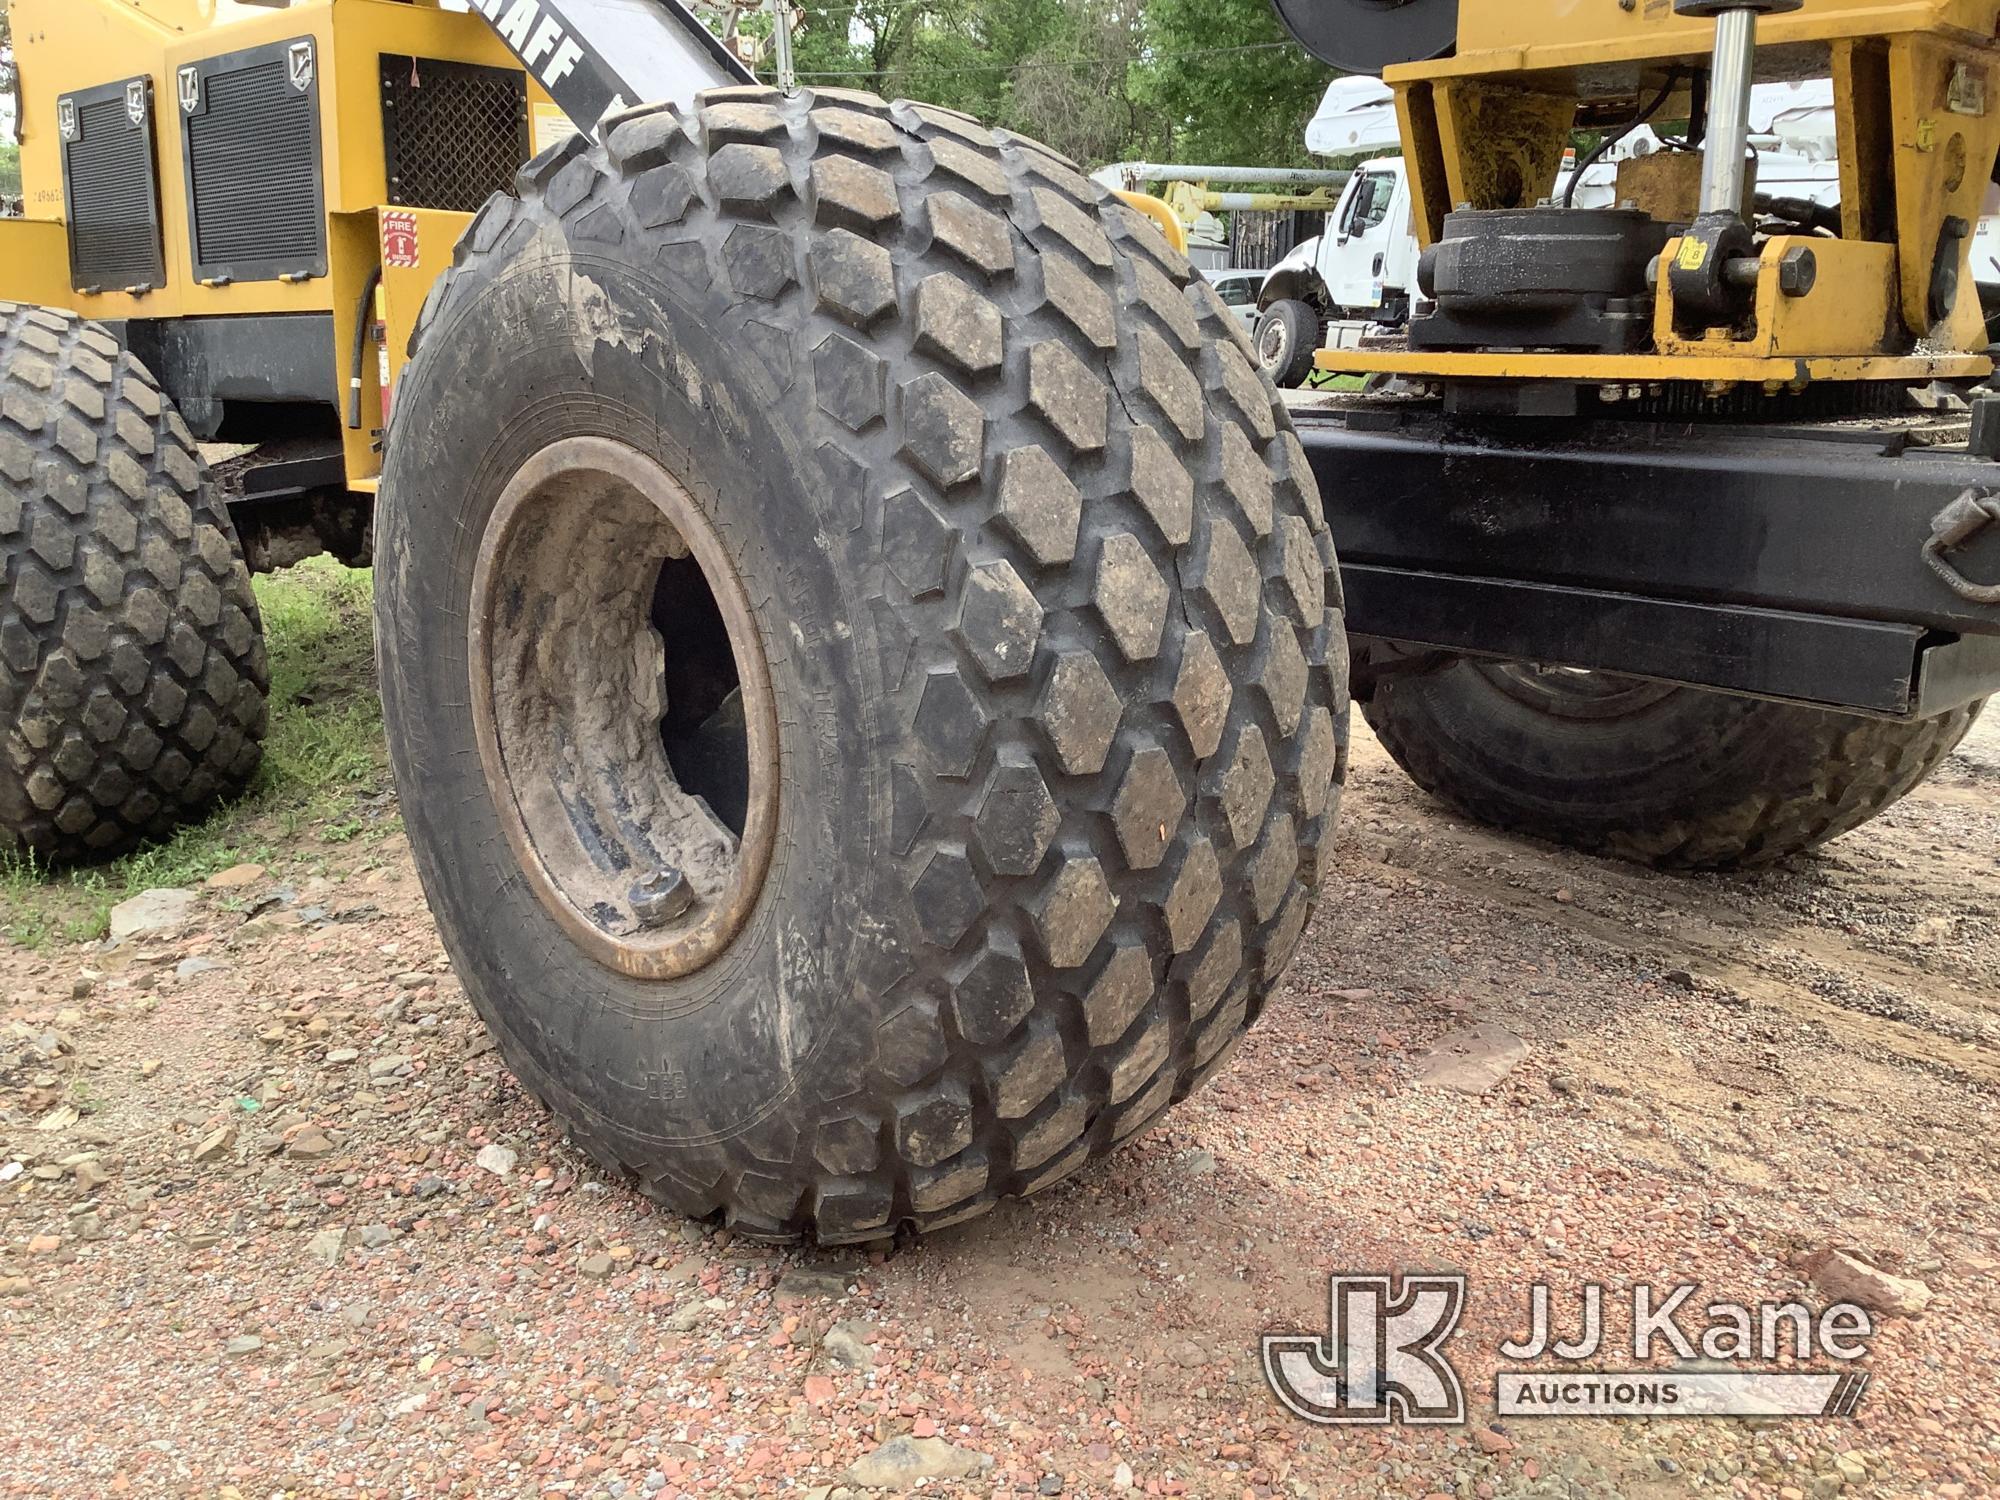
x: 1362, y: 269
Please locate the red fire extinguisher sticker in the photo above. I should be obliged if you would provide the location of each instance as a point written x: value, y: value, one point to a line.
x: 400, y: 246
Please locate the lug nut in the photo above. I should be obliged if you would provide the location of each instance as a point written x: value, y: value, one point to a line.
x: 661, y: 897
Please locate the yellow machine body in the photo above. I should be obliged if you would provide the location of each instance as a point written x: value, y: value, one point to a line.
x: 63, y: 46
x: 1917, y: 90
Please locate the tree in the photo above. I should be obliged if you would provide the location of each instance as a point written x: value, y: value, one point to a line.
x: 1099, y: 80
x: 1054, y: 69
x: 863, y: 44
x: 1074, y: 85
x: 1233, y: 87
x: 10, y: 114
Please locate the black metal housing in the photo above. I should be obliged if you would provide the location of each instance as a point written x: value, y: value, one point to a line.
x: 263, y: 360
x: 1542, y: 278
x: 256, y: 191
x: 111, y: 188
x: 1780, y: 562
x: 1366, y: 36
x: 454, y: 134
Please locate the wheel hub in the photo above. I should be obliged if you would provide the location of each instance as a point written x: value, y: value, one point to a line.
x: 1271, y: 344
x: 623, y: 707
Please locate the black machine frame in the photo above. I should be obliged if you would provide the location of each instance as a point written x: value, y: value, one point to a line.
x: 1793, y: 563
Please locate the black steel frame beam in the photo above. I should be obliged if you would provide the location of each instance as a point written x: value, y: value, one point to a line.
x: 1777, y: 563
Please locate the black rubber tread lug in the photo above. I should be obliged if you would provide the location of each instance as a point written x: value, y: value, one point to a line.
x: 1823, y: 775
x: 132, y: 668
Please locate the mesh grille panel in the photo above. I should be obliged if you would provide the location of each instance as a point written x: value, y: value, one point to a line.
x: 114, y: 207
x: 253, y: 172
x: 456, y: 134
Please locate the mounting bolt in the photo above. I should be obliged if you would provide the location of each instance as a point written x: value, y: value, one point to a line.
x: 1798, y: 272
x: 661, y: 897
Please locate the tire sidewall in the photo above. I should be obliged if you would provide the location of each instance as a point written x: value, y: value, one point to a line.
x: 1694, y: 779
x: 1677, y: 750
x: 1300, y: 324
x: 749, y: 1037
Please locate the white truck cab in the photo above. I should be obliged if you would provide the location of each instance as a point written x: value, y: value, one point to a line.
x: 1368, y: 259
x: 1361, y: 269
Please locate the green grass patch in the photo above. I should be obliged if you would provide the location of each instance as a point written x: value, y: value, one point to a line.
x: 320, y: 782
x: 1320, y: 380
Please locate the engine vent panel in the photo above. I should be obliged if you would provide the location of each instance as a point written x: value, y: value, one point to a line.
x: 111, y: 188
x: 255, y: 176
x: 454, y: 134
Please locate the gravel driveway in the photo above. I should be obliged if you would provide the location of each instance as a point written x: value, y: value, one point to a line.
x: 275, y: 1221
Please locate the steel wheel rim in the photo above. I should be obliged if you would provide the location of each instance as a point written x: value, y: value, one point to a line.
x: 1271, y: 344
x: 568, y: 716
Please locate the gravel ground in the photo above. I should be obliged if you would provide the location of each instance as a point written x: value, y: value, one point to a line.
x: 281, y: 1224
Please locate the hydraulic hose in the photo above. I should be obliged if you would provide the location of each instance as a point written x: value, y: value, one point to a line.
x: 364, y: 318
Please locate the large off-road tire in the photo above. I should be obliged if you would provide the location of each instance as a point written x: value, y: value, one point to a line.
x: 132, y: 674
x: 1287, y: 339
x: 1666, y: 776
x: 1002, y: 581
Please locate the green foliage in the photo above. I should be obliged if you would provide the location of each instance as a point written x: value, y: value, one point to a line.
x: 1099, y: 80
x: 10, y: 89
x: 1235, y: 88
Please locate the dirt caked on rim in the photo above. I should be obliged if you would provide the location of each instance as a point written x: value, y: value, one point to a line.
x: 605, y: 612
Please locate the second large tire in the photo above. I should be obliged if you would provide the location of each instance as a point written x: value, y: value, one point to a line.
x: 132, y: 672
x: 1665, y: 776
x: 1034, y: 655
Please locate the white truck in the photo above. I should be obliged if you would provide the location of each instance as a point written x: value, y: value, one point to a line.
x: 1361, y: 270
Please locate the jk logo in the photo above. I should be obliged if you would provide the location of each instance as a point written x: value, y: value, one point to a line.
x: 189, y: 82
x: 1381, y: 1360
x: 299, y: 64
